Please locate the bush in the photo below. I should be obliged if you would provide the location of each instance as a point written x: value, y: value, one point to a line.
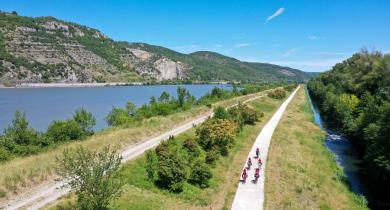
x: 242, y: 114
x: 200, y: 174
x: 152, y: 165
x: 212, y: 156
x: 220, y: 113
x: 192, y: 148
x: 117, y: 117
x: 85, y: 119
x: 19, y: 131
x: 290, y: 87
x: 91, y: 176
x: 277, y: 94
x: 4, y: 154
x: 216, y: 133
x: 61, y: 131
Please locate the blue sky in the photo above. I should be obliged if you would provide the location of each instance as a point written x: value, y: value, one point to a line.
x: 311, y: 35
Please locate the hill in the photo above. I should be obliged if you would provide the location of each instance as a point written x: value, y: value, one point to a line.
x: 46, y: 49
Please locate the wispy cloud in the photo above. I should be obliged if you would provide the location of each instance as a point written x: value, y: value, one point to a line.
x: 217, y: 45
x: 241, y: 45
x: 314, y: 37
x: 275, y: 14
x: 289, y: 52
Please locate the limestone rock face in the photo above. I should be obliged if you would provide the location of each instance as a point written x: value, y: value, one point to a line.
x: 168, y: 69
x: 50, y: 50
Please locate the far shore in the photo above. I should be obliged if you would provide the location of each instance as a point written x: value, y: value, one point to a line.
x: 77, y: 85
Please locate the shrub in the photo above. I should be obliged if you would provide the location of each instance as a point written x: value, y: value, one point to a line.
x: 242, y: 114
x: 60, y: 131
x: 85, y: 119
x: 91, y: 176
x: 117, y: 117
x: 277, y: 94
x: 172, y: 170
x: 220, y: 113
x: 212, y: 156
x: 192, y: 147
x: 200, y: 174
x: 4, y: 154
x: 290, y: 87
x: 216, y: 133
x: 152, y: 165
x: 19, y: 131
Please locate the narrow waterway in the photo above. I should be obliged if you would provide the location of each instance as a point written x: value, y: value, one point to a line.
x: 346, y: 155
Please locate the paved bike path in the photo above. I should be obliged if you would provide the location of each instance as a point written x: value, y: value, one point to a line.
x: 250, y: 195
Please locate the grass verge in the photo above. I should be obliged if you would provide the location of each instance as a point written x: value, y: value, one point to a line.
x: 26, y: 173
x: 301, y: 172
x: 139, y: 192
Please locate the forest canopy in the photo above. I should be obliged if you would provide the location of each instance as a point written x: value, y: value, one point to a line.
x: 354, y: 97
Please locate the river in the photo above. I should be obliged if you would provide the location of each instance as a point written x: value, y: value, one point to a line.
x: 43, y: 105
x: 346, y: 155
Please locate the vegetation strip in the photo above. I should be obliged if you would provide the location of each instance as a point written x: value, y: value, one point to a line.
x: 301, y: 172
x: 250, y: 195
x: 52, y: 193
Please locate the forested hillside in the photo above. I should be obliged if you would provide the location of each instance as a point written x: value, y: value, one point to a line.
x: 46, y: 49
x: 354, y: 97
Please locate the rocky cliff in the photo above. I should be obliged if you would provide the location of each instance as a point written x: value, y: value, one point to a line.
x: 46, y: 49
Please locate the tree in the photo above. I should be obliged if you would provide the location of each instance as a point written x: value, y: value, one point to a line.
x: 91, y: 176
x: 164, y: 97
x: 117, y: 117
x: 85, y: 119
x: 131, y: 108
x: 19, y: 131
x: 181, y: 95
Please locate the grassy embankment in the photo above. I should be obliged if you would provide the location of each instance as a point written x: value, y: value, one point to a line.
x: 301, y: 172
x: 139, y: 192
x: 20, y: 174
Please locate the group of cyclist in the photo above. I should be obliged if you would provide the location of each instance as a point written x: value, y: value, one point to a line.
x: 248, y: 167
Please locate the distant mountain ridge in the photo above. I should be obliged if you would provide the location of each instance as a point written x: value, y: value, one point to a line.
x: 46, y: 49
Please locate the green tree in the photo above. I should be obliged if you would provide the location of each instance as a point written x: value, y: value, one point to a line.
x: 19, y: 131
x: 181, y: 96
x: 164, y: 97
x: 117, y: 117
x: 131, y: 108
x: 85, y: 119
x: 91, y: 176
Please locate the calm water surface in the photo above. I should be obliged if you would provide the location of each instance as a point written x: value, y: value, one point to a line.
x: 43, y: 105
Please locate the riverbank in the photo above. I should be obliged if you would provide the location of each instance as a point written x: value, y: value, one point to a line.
x: 301, y: 172
x: 22, y: 175
x: 106, y: 84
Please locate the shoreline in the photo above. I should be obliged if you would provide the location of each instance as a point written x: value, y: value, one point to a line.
x: 78, y: 85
